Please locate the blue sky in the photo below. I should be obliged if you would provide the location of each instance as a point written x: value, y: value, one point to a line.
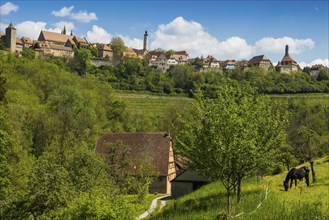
x: 225, y: 29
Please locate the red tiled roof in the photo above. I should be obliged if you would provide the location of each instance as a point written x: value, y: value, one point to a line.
x: 154, y: 145
x: 54, y: 37
x: 288, y: 59
x: 105, y: 47
x: 317, y: 67
x: 26, y: 40
x: 257, y: 59
x: 183, y: 52
x: 18, y: 41
x: 81, y: 40
x: 129, y: 52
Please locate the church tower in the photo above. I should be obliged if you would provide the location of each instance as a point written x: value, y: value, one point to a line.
x: 11, y: 37
x: 145, y: 46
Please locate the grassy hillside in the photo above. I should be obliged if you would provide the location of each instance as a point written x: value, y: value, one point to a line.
x: 298, y: 203
x: 311, y: 99
x: 156, y: 105
x: 151, y: 105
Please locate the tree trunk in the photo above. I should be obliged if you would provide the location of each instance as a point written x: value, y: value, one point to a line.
x: 228, y: 196
x: 313, y: 171
x: 239, y: 190
x: 228, y: 203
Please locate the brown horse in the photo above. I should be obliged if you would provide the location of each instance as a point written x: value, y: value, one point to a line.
x: 297, y: 173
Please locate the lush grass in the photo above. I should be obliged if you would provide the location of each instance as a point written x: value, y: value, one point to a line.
x: 297, y: 203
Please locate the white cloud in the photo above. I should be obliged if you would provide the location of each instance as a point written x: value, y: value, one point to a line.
x: 7, y: 8
x: 30, y: 29
x: 181, y: 34
x: 84, y: 16
x: 98, y: 35
x: 3, y: 27
x: 132, y: 42
x: 81, y: 16
x: 65, y: 11
x: 277, y: 45
x: 60, y: 25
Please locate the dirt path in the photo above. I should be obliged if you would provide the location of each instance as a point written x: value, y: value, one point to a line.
x: 152, y: 207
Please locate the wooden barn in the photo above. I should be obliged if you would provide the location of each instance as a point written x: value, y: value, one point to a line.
x: 156, y: 147
x: 186, y: 182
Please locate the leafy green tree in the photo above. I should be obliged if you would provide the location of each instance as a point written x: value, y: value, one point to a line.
x: 170, y: 52
x: 28, y: 53
x: 73, y: 116
x: 232, y: 136
x: 81, y: 61
x: 2, y: 45
x: 4, y: 164
x: 308, y: 133
x: 118, y: 47
x: 94, y: 51
x: 323, y: 75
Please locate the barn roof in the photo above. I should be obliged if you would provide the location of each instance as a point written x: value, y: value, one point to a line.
x: 156, y: 145
x: 189, y: 176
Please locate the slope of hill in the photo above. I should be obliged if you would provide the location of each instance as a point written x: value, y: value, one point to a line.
x: 298, y: 203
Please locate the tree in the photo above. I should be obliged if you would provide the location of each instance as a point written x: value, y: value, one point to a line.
x: 232, y: 136
x: 308, y: 133
x: 4, y: 165
x: 28, y: 53
x: 81, y: 60
x: 118, y: 47
x: 170, y: 52
x: 323, y: 75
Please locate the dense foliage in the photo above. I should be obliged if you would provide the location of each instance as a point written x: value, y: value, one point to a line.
x: 50, y: 120
x: 53, y: 110
x: 232, y: 136
x: 135, y: 74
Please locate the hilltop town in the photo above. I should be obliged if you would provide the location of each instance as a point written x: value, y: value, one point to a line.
x: 63, y: 44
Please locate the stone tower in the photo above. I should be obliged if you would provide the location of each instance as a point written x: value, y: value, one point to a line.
x: 145, y: 46
x: 11, y: 37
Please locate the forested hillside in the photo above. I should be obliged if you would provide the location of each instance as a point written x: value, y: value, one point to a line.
x: 135, y: 74
x: 51, y: 115
x: 50, y: 121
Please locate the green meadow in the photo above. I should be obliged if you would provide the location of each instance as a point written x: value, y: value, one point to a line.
x: 297, y: 203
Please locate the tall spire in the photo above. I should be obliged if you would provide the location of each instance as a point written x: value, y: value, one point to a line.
x: 64, y: 30
x: 287, y: 51
x: 71, y: 33
x: 145, y: 45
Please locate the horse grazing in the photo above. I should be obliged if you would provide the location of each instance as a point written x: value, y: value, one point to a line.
x: 297, y: 173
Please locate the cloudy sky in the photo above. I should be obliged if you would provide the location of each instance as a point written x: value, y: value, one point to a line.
x: 225, y: 29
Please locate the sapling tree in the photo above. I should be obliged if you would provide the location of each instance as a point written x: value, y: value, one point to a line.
x: 231, y: 136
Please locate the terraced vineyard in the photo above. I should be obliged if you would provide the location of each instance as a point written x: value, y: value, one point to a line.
x: 152, y: 105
